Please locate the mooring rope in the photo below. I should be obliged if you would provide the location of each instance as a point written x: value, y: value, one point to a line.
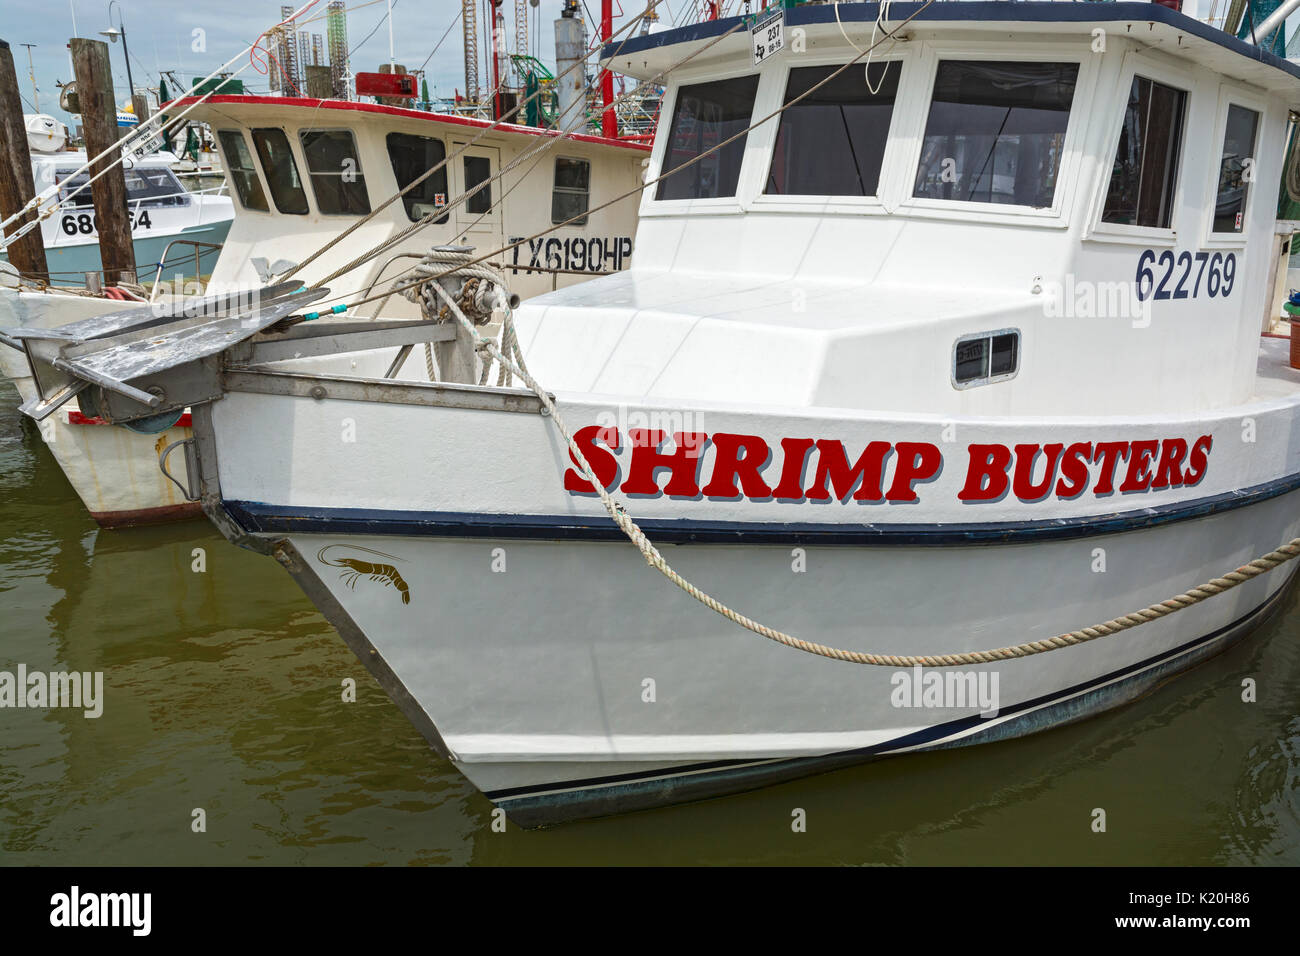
x: 1152, y: 612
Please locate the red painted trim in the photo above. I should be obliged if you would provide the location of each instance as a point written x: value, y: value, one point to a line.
x: 302, y: 102
x: 130, y: 519
x: 76, y: 418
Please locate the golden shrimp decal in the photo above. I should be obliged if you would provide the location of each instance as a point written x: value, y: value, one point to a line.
x: 354, y: 569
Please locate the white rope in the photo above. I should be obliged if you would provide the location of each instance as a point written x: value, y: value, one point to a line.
x: 882, y: 15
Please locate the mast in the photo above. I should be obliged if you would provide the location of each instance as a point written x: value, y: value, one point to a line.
x: 608, y: 121
x: 469, y: 23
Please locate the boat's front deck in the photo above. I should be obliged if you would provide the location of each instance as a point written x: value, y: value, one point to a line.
x: 1274, y: 376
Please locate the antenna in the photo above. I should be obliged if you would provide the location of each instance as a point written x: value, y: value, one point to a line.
x: 31, y: 71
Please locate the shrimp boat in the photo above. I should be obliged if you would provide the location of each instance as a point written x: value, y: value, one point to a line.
x: 303, y: 169
x: 819, y: 418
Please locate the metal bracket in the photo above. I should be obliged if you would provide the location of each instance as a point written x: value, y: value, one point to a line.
x: 191, y: 468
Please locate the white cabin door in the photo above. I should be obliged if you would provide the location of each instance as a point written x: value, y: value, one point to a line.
x: 478, y: 217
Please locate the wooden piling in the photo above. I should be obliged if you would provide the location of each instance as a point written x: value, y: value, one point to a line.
x: 27, y: 255
x: 99, y: 127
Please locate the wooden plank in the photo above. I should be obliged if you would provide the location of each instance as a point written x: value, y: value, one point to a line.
x: 99, y: 127
x: 16, y: 184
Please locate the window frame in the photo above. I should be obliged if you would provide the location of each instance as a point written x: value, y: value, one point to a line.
x: 1141, y: 63
x: 988, y: 379
x: 243, y: 134
x: 185, y: 197
x: 566, y: 190
x: 651, y: 206
x: 763, y: 140
x: 446, y: 171
x: 1072, y: 147
x: 303, y: 183
x: 308, y: 179
x: 461, y: 218
x: 1231, y: 94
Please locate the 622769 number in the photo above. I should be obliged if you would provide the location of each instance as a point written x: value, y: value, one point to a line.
x: 1165, y: 275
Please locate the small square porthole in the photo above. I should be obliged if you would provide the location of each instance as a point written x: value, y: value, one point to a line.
x: 985, y: 357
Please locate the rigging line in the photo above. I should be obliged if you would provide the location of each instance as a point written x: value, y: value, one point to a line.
x: 335, y: 240
x: 691, y: 162
x: 127, y: 142
x: 539, y: 151
x: 382, y: 21
x: 546, y: 144
x: 498, y: 204
x: 325, y: 16
x: 388, y: 244
x: 454, y: 21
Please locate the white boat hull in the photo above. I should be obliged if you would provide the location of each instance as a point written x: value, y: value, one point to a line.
x: 536, y: 649
x: 113, y: 470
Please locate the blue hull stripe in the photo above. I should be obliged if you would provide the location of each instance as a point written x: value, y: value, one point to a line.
x: 256, y: 516
x: 920, y: 738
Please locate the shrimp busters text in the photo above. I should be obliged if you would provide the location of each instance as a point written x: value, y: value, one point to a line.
x: 647, y: 463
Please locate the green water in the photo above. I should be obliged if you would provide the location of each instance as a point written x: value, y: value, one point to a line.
x: 223, y: 692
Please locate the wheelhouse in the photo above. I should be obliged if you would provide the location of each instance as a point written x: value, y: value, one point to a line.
x: 303, y: 170
x: 1005, y: 208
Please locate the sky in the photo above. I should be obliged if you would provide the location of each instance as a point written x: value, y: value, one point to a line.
x: 160, y: 36
x: 161, y: 33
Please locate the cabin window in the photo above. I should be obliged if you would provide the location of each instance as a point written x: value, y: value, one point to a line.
x: 412, y: 156
x: 985, y: 357
x: 280, y: 170
x: 996, y: 132
x: 240, y: 170
x: 706, y: 115
x: 68, y: 183
x: 154, y: 186
x: 146, y: 187
x: 572, y: 191
x: 478, y: 169
x: 832, y: 142
x: 335, y: 172
x: 1145, y: 175
x: 1237, y: 157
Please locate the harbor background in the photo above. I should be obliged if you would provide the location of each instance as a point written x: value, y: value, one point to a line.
x: 223, y: 691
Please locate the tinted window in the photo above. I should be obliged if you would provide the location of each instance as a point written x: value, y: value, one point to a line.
x: 335, y: 172
x: 707, y: 114
x: 478, y: 169
x: 572, y: 190
x: 145, y: 188
x: 995, y: 132
x: 151, y: 186
x: 986, y: 357
x: 1145, y: 173
x: 68, y: 183
x: 1238, y: 148
x: 831, y: 143
x: 240, y: 170
x: 411, y: 157
x: 280, y: 170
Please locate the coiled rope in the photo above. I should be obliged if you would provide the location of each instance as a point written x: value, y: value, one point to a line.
x: 460, y: 262
x: 1152, y: 612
